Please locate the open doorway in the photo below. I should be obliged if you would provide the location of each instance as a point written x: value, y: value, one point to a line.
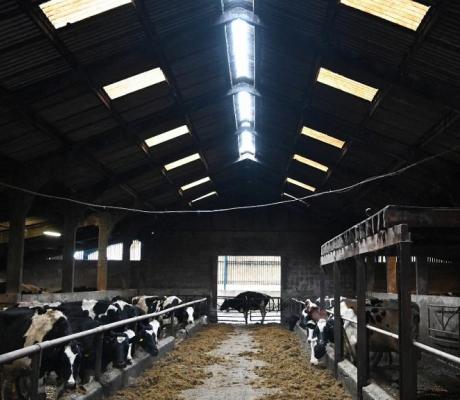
x: 237, y: 274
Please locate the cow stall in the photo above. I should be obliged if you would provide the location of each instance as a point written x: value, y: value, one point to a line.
x: 404, y: 233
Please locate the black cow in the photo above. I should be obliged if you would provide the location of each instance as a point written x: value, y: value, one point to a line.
x: 246, y: 301
x: 22, y: 327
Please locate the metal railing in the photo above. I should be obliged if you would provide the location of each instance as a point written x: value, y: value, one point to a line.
x: 419, y: 345
x: 36, y: 350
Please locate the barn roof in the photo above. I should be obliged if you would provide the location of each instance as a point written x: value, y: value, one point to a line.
x: 56, y: 116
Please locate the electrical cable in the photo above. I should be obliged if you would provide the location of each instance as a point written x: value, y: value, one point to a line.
x: 236, y: 208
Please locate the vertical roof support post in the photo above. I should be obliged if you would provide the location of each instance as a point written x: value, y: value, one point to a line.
x: 407, y: 354
x: 338, y: 342
x: 363, y: 347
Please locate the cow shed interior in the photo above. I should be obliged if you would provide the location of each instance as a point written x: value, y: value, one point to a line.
x: 140, y: 140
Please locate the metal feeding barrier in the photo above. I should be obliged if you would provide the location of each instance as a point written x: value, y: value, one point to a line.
x: 35, y: 351
x: 235, y: 317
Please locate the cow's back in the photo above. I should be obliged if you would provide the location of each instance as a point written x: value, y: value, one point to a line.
x: 14, y: 323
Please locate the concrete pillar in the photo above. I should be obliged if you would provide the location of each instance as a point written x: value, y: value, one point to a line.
x: 422, y: 275
x: 19, y: 207
x: 103, y: 242
x: 68, y: 251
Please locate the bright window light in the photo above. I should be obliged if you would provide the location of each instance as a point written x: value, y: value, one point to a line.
x: 241, y: 44
x: 63, y: 12
x: 195, y: 183
x: 165, y: 136
x: 134, y: 83
x: 347, y: 85
x: 247, y: 144
x: 311, y: 163
x: 52, y: 233
x: 300, y: 184
x: 322, y: 137
x: 182, y: 161
x: 204, y: 197
x: 244, y: 106
x: 406, y: 13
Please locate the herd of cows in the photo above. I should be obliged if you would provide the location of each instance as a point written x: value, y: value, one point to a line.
x: 28, y: 323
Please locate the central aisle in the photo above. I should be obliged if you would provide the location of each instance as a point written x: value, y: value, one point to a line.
x: 231, y: 378
x: 223, y: 362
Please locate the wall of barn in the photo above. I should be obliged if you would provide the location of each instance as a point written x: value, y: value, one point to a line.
x: 181, y: 255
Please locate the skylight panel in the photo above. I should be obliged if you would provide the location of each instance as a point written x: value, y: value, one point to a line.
x: 347, y: 85
x: 168, y: 135
x: 311, y: 163
x: 322, y: 137
x: 247, y: 145
x: 195, y: 183
x: 406, y: 13
x: 214, y: 193
x: 300, y: 184
x: 63, y: 12
x: 244, y: 108
x: 182, y: 161
x: 241, y: 49
x: 134, y: 83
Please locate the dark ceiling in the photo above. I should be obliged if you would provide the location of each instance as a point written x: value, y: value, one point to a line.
x: 61, y: 133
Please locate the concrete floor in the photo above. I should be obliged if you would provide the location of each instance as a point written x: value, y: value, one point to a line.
x: 231, y: 378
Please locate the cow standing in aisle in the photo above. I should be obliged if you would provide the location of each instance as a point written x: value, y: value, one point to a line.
x: 246, y: 301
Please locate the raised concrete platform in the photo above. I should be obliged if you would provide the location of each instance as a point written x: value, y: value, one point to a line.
x: 347, y: 372
x: 115, y: 379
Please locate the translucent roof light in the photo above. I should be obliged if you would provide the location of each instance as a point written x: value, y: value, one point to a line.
x: 247, y: 145
x: 300, y: 184
x: 322, y: 137
x: 406, y: 13
x: 63, y: 12
x: 244, y: 108
x: 195, y: 183
x: 311, y: 163
x: 135, y: 83
x: 347, y: 85
x: 182, y: 161
x: 241, y: 44
x: 214, y: 193
x: 168, y: 135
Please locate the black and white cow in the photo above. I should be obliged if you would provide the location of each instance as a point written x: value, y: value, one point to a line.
x: 184, y: 316
x: 246, y: 301
x: 148, y: 304
x: 22, y: 327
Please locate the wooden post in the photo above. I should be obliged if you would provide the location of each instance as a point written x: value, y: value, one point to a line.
x: 68, y: 251
x: 128, y: 266
x: 338, y: 346
x: 19, y: 206
x: 391, y: 275
x: 363, y: 350
x: 370, y: 272
x: 407, y: 358
x: 422, y: 275
x: 103, y: 241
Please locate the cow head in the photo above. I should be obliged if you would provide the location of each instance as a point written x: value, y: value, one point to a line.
x: 230, y: 303
x: 68, y: 365
x: 116, y: 346
x: 189, y: 313
x: 148, y: 337
x: 322, y: 334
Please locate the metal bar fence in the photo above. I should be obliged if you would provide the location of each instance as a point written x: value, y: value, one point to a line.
x: 36, y: 350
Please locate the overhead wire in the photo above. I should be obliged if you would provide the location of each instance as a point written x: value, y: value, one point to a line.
x: 235, y: 208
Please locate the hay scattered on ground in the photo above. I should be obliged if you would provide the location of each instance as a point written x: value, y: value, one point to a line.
x: 183, y: 368
x: 287, y: 368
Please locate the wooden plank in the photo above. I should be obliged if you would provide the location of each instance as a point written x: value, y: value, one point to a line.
x: 392, y: 286
x: 384, y: 239
x: 338, y: 342
x: 407, y: 359
x: 363, y: 349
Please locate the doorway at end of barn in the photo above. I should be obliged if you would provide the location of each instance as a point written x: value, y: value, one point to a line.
x: 237, y: 274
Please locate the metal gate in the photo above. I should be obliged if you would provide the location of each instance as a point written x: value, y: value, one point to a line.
x: 444, y: 326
